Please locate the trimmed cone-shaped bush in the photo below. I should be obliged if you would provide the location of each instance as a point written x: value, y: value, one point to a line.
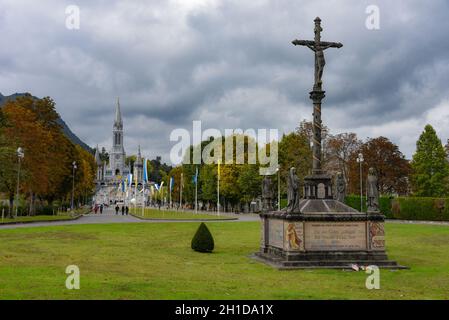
x: 202, y: 240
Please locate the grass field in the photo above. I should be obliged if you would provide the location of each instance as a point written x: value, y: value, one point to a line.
x: 176, y: 215
x: 154, y: 261
x: 36, y: 218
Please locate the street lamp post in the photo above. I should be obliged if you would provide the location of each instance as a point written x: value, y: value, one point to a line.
x: 278, y: 170
x: 360, y: 162
x: 73, y: 182
x: 20, y: 156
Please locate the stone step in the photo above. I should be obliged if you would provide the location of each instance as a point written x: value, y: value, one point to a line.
x: 336, y: 264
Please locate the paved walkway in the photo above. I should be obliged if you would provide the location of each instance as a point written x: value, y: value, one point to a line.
x: 437, y: 223
x: 109, y: 216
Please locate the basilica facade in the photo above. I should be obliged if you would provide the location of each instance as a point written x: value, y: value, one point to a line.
x: 116, y: 169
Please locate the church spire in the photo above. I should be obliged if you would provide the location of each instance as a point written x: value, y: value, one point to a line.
x: 118, y: 115
x: 139, y: 156
x: 97, y: 157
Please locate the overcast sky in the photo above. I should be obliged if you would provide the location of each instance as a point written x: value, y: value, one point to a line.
x: 230, y: 64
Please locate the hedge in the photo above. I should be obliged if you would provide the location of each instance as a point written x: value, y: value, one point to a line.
x: 385, y: 204
x: 408, y: 208
x: 420, y: 208
x: 23, y: 210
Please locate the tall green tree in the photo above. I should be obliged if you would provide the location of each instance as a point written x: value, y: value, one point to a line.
x: 294, y: 151
x: 430, y: 167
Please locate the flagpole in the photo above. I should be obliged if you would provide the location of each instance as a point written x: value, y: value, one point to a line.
x: 180, y: 192
x: 170, y: 191
x: 143, y: 197
x: 196, y: 190
x: 218, y: 189
x: 144, y: 181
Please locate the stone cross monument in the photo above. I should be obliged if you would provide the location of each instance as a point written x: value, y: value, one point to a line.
x: 317, y: 94
x: 319, y: 231
x: 319, y: 184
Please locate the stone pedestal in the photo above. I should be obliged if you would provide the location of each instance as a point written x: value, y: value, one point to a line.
x: 325, y: 234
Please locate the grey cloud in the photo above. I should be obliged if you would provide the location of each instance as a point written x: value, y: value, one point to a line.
x: 228, y: 63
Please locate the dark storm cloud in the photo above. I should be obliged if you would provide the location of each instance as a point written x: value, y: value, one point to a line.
x: 230, y: 64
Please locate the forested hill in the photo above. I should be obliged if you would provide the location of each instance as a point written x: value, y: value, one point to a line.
x: 65, y: 128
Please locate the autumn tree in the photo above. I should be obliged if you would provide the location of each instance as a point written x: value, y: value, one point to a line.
x: 340, y: 149
x: 47, y: 165
x: 391, y: 166
x: 430, y: 167
x: 8, y: 163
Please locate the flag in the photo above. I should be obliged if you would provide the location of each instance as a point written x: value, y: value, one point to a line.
x: 195, y: 177
x: 172, y: 182
x: 123, y: 186
x: 218, y: 169
x: 145, y: 171
x: 130, y: 179
x: 156, y: 186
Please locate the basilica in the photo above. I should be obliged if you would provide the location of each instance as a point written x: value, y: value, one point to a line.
x: 116, y: 170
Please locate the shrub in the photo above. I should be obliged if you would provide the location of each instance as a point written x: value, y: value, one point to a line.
x: 202, y: 240
x: 44, y: 211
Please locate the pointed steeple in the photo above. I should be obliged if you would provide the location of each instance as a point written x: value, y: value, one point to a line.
x: 97, y: 157
x: 118, y: 115
x: 139, y: 156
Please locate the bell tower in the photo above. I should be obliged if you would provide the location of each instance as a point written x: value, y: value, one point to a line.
x: 117, y: 158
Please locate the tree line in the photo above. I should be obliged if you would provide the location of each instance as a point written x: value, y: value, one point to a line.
x: 46, y: 169
x: 427, y: 174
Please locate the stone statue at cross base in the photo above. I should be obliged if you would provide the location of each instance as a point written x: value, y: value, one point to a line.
x: 267, y: 194
x: 372, y: 192
x: 340, y: 188
x: 293, y: 191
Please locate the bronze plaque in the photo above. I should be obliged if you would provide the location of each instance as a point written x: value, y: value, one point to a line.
x: 335, y: 236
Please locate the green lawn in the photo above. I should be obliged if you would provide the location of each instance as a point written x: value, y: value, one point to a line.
x: 176, y: 215
x: 154, y: 261
x: 36, y: 218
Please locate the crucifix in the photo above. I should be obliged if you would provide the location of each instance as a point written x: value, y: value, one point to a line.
x: 317, y: 46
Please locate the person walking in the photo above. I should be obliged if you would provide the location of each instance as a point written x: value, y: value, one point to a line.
x: 117, y: 208
x: 96, y: 208
x: 127, y: 210
x: 101, y: 208
x: 123, y: 210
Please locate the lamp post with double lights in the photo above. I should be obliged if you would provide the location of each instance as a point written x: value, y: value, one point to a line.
x: 20, y: 156
x: 278, y: 170
x: 360, y: 162
x: 73, y: 183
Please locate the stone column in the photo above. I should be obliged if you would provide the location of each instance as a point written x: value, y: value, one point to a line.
x: 317, y: 95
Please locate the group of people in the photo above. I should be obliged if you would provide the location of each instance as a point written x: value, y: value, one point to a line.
x: 125, y: 210
x: 98, y: 207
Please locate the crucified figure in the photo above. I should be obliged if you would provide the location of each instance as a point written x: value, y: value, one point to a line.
x: 318, y: 47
